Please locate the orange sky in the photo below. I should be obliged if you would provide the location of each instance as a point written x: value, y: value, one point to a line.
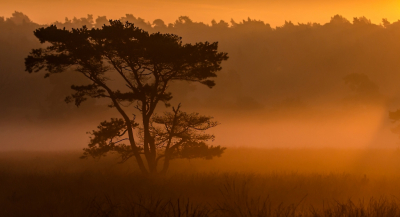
x: 274, y: 12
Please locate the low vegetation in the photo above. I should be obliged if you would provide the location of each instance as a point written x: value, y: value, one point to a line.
x: 244, y: 182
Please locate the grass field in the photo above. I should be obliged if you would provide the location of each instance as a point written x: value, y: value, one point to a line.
x: 243, y: 182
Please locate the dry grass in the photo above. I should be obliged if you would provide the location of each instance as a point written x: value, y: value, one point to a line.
x: 244, y: 182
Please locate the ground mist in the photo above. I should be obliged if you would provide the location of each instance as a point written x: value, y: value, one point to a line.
x: 243, y: 182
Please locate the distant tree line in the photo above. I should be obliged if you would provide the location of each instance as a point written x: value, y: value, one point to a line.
x: 292, y: 66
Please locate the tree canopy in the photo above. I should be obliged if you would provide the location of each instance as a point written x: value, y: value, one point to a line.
x: 146, y: 63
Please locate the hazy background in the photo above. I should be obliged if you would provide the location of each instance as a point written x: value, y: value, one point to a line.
x: 328, y: 81
x: 273, y: 11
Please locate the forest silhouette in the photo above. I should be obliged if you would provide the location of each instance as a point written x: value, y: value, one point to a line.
x: 292, y: 90
x: 304, y: 68
x: 306, y: 62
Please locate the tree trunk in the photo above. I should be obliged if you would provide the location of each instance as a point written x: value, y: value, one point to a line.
x: 149, y: 146
x: 132, y: 142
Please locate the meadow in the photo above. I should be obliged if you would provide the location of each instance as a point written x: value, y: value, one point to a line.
x: 243, y: 182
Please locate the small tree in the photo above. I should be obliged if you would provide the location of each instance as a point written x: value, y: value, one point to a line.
x: 146, y: 64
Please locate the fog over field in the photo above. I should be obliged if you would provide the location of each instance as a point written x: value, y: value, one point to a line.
x: 302, y: 120
x: 295, y: 85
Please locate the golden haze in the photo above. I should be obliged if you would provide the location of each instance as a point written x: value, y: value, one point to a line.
x: 273, y: 12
